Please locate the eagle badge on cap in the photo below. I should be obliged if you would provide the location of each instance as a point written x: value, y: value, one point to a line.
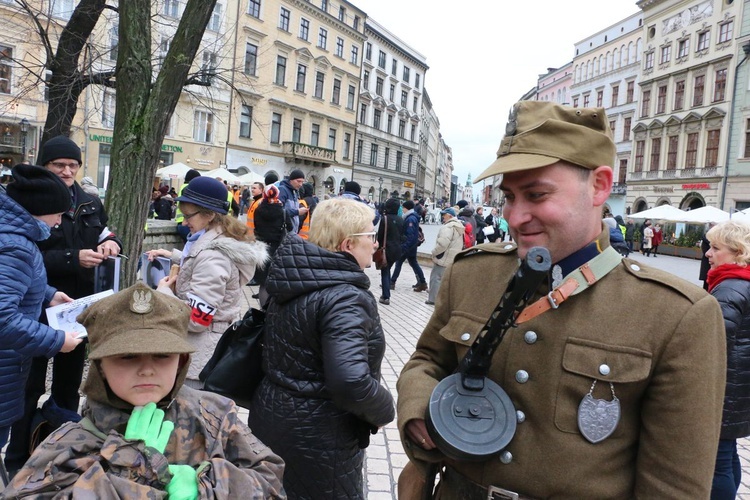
x: 142, y: 302
x: 512, y: 126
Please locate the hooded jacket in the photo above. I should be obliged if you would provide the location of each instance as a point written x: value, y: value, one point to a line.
x: 211, y: 278
x: 321, y: 396
x: 92, y: 458
x: 450, y: 241
x: 23, y: 291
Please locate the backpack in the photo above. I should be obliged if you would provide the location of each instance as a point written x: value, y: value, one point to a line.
x: 420, y: 236
x: 469, y: 238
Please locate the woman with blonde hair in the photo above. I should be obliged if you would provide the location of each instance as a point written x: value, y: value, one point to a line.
x: 321, y: 397
x: 729, y: 282
x: 219, y: 258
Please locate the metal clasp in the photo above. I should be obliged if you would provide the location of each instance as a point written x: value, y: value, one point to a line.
x: 495, y: 493
x: 552, y: 301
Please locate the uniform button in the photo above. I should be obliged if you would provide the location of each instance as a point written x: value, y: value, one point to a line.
x: 508, y: 247
x: 604, y: 369
x: 506, y: 457
x: 635, y: 267
x: 465, y: 337
x: 520, y: 416
x: 522, y: 376
x: 530, y: 337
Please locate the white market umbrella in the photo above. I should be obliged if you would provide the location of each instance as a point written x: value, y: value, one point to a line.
x: 706, y: 214
x: 223, y: 173
x: 743, y: 216
x: 662, y: 212
x: 173, y: 171
x: 251, y: 177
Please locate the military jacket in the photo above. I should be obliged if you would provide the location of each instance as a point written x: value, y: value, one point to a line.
x: 667, y: 368
x: 92, y: 459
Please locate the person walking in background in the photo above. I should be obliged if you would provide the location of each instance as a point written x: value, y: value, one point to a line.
x: 34, y: 202
x: 244, y: 199
x: 629, y: 234
x: 450, y: 241
x: 321, y: 397
x: 409, y: 248
x: 480, y: 224
x: 163, y: 204
x: 88, y: 186
x: 729, y: 283
x: 395, y: 239
x: 289, y: 197
x: 182, y: 229
x: 217, y: 261
x: 256, y: 192
x: 493, y: 221
x: 272, y: 223
x: 648, y: 235
x: 705, y: 266
x: 656, y: 239
x: 307, y: 200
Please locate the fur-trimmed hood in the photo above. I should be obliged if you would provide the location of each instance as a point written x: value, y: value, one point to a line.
x: 245, y: 255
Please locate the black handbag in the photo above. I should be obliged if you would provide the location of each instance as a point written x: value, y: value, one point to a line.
x: 234, y: 369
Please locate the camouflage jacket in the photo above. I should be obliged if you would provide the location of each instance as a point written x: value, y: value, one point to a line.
x: 92, y: 459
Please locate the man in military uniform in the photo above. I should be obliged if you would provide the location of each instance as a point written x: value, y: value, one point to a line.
x: 659, y: 384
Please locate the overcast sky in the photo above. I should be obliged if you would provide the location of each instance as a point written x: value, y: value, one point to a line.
x: 485, y: 54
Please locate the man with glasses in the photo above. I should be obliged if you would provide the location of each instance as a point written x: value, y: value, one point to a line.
x: 76, y: 246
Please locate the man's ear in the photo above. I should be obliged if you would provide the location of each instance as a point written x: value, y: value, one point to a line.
x: 601, y: 179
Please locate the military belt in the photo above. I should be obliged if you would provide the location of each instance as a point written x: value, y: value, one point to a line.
x: 466, y: 489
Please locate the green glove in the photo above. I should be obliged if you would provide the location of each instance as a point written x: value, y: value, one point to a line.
x: 184, y: 483
x: 147, y: 424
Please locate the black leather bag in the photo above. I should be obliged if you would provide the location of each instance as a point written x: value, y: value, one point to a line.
x: 234, y: 369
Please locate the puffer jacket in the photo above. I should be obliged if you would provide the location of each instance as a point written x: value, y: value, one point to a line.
x: 734, y: 298
x: 23, y: 291
x: 450, y: 241
x: 321, y: 396
x: 211, y: 278
x: 394, y: 238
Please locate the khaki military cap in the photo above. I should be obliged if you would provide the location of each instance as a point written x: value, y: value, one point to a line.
x: 137, y: 320
x: 541, y: 133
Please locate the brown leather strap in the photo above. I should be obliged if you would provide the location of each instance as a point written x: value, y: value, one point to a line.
x: 550, y: 301
x: 462, y: 487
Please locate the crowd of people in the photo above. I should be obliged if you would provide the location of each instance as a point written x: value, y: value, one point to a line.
x: 613, y: 402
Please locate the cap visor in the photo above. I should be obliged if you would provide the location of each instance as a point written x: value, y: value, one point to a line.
x: 144, y: 341
x: 516, y: 162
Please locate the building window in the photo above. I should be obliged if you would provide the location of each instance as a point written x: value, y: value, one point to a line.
x: 406, y: 74
x: 301, y: 75
x: 355, y: 24
x: 630, y: 92
x: 355, y: 54
x: 720, y: 85
x: 350, y: 97
x: 389, y: 129
x: 622, y: 174
x: 215, y: 23
x: 661, y: 100
x: 171, y: 8
x: 615, y: 94
x: 712, y: 148
x: 366, y: 80
x: 415, y: 103
x: 284, y: 17
x: 672, y: 152
x: 394, y: 66
x: 386, y: 157
x: 342, y: 13
x: 280, y: 70
x: 203, y: 128
x: 679, y: 95
x: 586, y: 101
x: 276, y: 128
x: 703, y: 39
x: 381, y: 60
x: 698, y: 88
x: 246, y: 120
x: 649, y: 60
x: 399, y: 160
x: 359, y: 150
x: 362, y: 113
x: 304, y: 29
x: 251, y: 59
x: 683, y: 47
x: 575, y: 102
x: 401, y: 128
x: 324, y: 5
x: 612, y: 124
x: 416, y: 80
x: 373, y: 155
x: 645, y: 102
x: 163, y: 50
x: 368, y: 51
x: 114, y: 42
x: 691, y: 153
x: 253, y: 8
x: 655, y: 153
x: 336, y: 94
x: 319, y: 82
x: 747, y: 139
x: 640, y: 147
x: 6, y: 69
x: 322, y: 38
x: 209, y: 63
x: 331, y: 138
x: 725, y: 31
x: 404, y: 97
x: 347, y: 145
x: 599, y: 98
x: 626, y: 129
x: 413, y: 132
x: 376, y: 119
x: 393, y: 92
x: 297, y: 130
x: 666, y: 54
x: 315, y: 134
x: 408, y: 166
x: 339, y: 46
x: 379, y: 86
x: 108, y: 109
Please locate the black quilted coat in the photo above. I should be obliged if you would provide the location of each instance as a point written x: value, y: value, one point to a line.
x: 734, y: 297
x: 321, y: 396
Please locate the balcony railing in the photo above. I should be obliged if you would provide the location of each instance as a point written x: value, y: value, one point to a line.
x: 685, y: 173
x: 619, y: 188
x: 297, y: 151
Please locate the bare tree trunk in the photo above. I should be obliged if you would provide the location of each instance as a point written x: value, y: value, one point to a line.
x: 142, y: 115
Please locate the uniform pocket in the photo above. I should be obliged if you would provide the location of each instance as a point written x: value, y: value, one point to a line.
x: 584, y: 361
x: 462, y: 331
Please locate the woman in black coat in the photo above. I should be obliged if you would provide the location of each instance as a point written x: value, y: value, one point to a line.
x: 272, y: 223
x: 395, y: 237
x: 321, y: 397
x: 729, y: 282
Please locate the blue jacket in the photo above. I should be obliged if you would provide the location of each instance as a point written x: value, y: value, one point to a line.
x: 289, y: 198
x: 23, y: 291
x: 411, y: 232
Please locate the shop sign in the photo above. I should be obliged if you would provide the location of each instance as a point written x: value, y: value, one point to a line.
x: 108, y: 140
x: 697, y: 185
x: 409, y: 184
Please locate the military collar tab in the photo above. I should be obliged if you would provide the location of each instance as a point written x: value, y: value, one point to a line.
x: 579, y: 258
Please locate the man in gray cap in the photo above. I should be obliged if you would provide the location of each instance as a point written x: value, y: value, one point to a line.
x: 601, y: 403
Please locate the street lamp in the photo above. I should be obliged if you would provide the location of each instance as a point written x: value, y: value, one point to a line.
x: 380, y: 190
x: 24, y: 130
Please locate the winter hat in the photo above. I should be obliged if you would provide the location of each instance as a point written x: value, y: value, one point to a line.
x: 207, y: 193
x: 450, y: 210
x: 271, y: 194
x: 270, y: 179
x: 296, y: 174
x: 191, y: 174
x: 38, y: 190
x: 462, y: 203
x: 392, y: 205
x: 352, y: 187
x: 59, y: 147
x: 408, y: 205
x: 163, y: 189
x: 306, y: 190
x: 619, y: 220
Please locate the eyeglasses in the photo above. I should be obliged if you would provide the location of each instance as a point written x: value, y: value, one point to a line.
x: 372, y: 234
x: 189, y: 216
x: 61, y: 166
